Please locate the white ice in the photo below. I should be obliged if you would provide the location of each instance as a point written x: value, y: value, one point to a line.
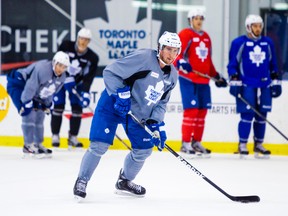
x: 44, y: 187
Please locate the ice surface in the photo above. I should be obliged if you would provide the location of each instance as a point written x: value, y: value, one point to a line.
x: 44, y: 187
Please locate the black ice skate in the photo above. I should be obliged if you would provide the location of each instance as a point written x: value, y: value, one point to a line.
x: 187, y: 149
x: 47, y: 152
x: 197, y: 146
x: 73, y: 142
x: 79, y: 189
x: 55, y: 140
x: 261, y: 152
x: 126, y: 187
x: 243, y: 151
x: 33, y: 152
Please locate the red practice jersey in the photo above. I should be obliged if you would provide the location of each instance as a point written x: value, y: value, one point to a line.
x: 196, y: 49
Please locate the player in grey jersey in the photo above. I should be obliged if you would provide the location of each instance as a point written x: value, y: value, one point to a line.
x: 141, y: 82
x: 31, y: 90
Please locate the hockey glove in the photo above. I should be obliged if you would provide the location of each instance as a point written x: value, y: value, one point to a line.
x: 220, y: 81
x: 276, y: 88
x: 235, y: 85
x: 184, y: 66
x: 69, y: 84
x: 26, y: 108
x: 122, y: 104
x: 85, y: 99
x: 159, y: 138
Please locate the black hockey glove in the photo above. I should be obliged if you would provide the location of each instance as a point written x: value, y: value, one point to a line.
x: 276, y: 88
x: 220, y: 81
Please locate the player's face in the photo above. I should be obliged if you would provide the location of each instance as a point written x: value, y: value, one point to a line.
x: 60, y: 69
x: 197, y: 22
x: 168, y: 54
x: 256, y: 29
x: 82, y: 44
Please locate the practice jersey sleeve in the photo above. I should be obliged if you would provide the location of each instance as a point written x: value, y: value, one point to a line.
x: 115, y: 73
x: 83, y: 66
x: 89, y: 72
x: 31, y: 86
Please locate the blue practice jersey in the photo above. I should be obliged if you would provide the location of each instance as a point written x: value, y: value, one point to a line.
x: 253, y: 60
x: 150, y: 86
x: 41, y: 82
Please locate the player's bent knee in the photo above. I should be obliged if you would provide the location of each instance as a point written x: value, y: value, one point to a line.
x: 140, y: 155
x: 98, y: 148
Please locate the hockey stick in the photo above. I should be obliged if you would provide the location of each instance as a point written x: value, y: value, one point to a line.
x: 247, y: 103
x: 260, y: 115
x: 243, y: 199
x: 81, y: 99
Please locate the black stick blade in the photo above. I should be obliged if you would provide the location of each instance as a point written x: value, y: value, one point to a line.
x: 245, y: 199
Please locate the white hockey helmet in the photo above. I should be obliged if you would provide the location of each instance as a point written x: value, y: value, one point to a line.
x: 251, y: 19
x: 169, y: 39
x: 62, y: 58
x: 85, y: 33
x: 196, y: 12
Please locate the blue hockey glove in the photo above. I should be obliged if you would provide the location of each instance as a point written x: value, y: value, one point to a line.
x: 26, y: 108
x: 85, y: 99
x: 69, y: 84
x: 276, y: 88
x: 220, y: 81
x: 235, y: 85
x: 184, y: 66
x: 122, y: 104
x: 159, y: 137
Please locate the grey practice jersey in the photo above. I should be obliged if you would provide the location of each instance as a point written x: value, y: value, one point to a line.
x: 41, y: 82
x: 150, y: 86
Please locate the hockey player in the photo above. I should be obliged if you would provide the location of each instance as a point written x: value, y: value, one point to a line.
x: 80, y: 76
x: 141, y: 82
x: 31, y: 90
x: 195, y: 90
x: 253, y: 76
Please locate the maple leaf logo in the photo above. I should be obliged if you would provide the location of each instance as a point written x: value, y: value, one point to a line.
x: 154, y: 94
x: 202, y: 51
x: 121, y: 34
x: 257, y: 56
x: 47, y: 91
x: 74, y: 68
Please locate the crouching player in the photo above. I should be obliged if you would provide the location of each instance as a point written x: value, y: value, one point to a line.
x: 31, y: 90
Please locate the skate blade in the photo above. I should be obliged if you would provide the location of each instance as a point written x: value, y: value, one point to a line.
x: 261, y: 156
x: 77, y: 149
x: 78, y: 199
x: 243, y: 156
x: 202, y: 155
x: 127, y: 193
x: 33, y: 156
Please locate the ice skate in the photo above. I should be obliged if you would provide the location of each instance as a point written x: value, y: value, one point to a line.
x: 73, y: 142
x: 199, y: 149
x: 243, y: 151
x: 55, y: 140
x: 31, y: 151
x: 126, y: 187
x: 47, y: 152
x: 187, y: 149
x: 260, y: 152
x: 79, y: 190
